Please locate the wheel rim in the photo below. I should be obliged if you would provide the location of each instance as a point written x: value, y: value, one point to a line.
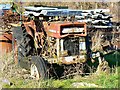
x: 34, y: 72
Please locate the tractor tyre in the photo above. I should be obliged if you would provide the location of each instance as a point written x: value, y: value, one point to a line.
x: 24, y: 42
x: 27, y: 44
x: 38, y: 68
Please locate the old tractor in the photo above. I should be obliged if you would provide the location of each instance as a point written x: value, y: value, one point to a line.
x: 60, y: 42
x: 51, y: 42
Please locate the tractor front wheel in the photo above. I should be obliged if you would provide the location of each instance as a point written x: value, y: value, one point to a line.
x: 38, y: 68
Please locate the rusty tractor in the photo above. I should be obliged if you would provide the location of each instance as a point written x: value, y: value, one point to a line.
x: 50, y: 44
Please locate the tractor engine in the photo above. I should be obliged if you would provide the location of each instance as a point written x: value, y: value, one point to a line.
x: 66, y: 42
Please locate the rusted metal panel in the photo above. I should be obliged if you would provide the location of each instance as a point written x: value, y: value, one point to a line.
x: 54, y: 29
x: 68, y: 59
x: 30, y: 25
x: 5, y: 43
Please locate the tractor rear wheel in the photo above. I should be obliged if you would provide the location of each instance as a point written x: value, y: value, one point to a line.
x: 24, y: 43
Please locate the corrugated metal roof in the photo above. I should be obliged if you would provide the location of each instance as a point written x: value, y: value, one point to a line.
x: 32, y: 8
x: 57, y: 12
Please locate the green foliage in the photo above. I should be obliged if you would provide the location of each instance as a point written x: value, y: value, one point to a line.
x: 62, y: 83
x: 102, y: 81
x: 108, y: 81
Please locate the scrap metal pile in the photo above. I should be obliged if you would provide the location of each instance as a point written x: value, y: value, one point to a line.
x: 8, y: 15
x: 102, y: 32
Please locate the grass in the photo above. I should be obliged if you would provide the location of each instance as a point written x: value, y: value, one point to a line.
x: 19, y: 79
x: 103, y: 81
x: 108, y: 81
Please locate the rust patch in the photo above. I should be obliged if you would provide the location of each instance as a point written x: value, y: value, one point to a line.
x: 5, y: 43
